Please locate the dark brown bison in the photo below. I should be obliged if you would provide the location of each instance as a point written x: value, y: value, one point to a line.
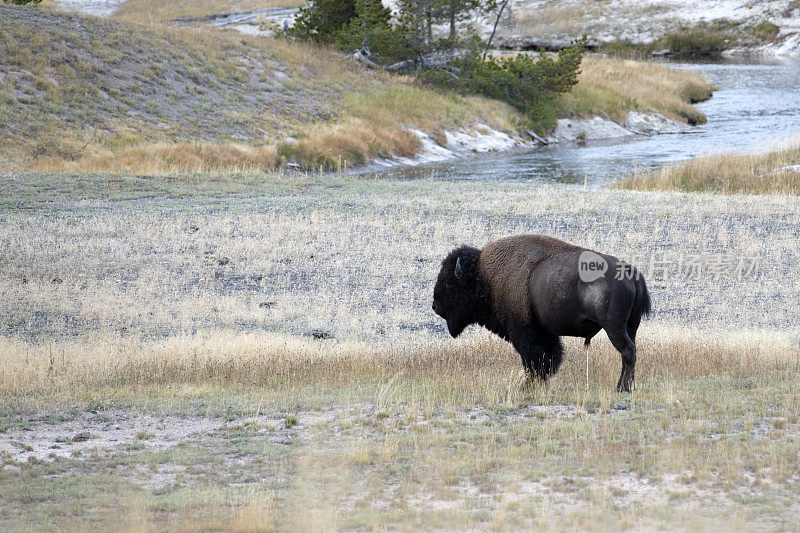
x: 533, y: 289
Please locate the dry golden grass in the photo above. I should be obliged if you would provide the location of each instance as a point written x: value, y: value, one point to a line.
x: 611, y: 87
x: 146, y: 11
x: 477, y: 370
x: 550, y: 21
x: 377, y: 122
x: 163, y: 158
x: 355, y: 141
x: 770, y: 172
x: 447, y: 435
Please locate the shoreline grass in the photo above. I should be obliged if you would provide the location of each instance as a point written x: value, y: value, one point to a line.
x: 768, y: 172
x: 611, y: 87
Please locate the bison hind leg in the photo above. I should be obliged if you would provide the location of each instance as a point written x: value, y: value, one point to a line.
x: 627, y: 348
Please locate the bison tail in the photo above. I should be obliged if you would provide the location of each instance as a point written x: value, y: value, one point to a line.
x: 645, y: 305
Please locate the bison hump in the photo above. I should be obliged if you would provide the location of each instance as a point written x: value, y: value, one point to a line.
x: 505, y: 266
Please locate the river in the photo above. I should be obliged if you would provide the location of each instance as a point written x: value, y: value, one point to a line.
x: 755, y: 106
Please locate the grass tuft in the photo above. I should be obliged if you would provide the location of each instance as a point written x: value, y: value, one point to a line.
x: 612, y: 87
x: 775, y: 172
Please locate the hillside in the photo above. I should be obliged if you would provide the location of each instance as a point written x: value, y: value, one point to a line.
x: 89, y: 94
x: 644, y: 21
x: 69, y: 82
x: 74, y: 87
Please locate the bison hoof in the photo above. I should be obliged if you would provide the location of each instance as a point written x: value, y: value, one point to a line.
x: 625, y: 383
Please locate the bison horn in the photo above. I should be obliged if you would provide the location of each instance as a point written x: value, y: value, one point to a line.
x: 459, y: 271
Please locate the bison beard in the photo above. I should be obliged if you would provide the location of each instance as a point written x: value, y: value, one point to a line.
x: 527, y: 290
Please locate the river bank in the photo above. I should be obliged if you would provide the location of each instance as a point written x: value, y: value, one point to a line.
x: 482, y: 139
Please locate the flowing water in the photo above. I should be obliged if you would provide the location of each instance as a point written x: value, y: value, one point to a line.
x: 755, y: 106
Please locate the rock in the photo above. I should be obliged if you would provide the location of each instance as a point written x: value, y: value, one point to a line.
x: 222, y: 261
x: 266, y: 305
x: 63, y: 438
x: 653, y: 123
x: 57, y: 280
x: 320, y: 334
x: 587, y: 129
x: 82, y: 436
x: 661, y: 53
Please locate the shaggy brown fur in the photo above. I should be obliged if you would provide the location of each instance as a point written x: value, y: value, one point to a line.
x: 504, y: 266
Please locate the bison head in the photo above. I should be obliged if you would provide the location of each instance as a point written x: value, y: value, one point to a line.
x: 455, y: 296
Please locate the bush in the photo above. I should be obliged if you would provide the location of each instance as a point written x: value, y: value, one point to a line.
x: 766, y: 31
x: 351, y: 25
x: 702, y: 40
x: 627, y: 49
x: 526, y: 83
x: 321, y: 18
x: 371, y: 28
x: 454, y: 62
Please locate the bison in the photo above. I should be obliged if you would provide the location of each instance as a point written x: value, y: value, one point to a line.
x: 533, y: 289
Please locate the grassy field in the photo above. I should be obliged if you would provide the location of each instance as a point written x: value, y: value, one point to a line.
x: 767, y: 172
x: 256, y: 352
x: 84, y: 94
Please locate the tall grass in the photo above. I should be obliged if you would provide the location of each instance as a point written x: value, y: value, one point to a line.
x: 758, y: 173
x: 697, y: 41
x: 377, y: 122
x: 479, y: 369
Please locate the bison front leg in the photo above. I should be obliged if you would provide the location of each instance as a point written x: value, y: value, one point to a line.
x: 530, y: 351
x: 541, y: 357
